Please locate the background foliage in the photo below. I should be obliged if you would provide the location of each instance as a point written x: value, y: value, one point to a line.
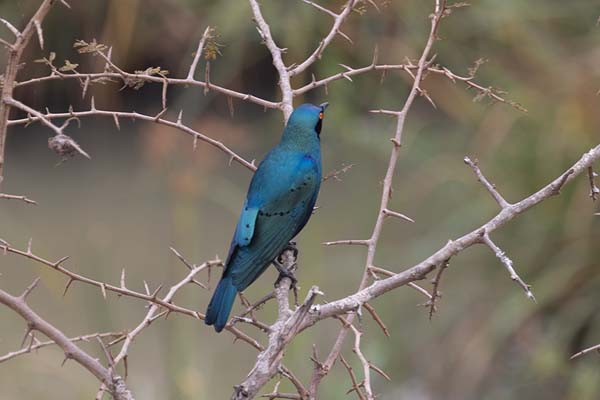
x: 145, y: 190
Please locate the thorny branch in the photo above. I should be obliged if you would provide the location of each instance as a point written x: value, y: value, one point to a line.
x: 320, y: 373
x: 15, y: 51
x: 120, y: 290
x: 114, y: 383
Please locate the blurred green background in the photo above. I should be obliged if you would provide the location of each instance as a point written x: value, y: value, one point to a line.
x: 145, y: 190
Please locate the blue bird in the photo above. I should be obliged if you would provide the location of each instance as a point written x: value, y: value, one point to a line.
x: 280, y: 200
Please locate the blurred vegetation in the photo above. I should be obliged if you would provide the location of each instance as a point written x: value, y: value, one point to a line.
x: 145, y: 190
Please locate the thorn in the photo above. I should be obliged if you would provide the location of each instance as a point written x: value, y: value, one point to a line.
x: 30, y: 288
x: 11, y: 27
x: 38, y: 28
x: 155, y: 293
x: 27, y: 333
x: 86, y: 84
x: 160, y: 114
x: 62, y: 260
x: 67, y: 286
x: 103, y: 289
x: 123, y: 278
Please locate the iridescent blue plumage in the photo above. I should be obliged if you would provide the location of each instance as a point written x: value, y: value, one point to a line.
x: 279, y: 203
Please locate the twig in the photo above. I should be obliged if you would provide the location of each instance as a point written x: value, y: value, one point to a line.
x: 335, y: 29
x: 435, y: 292
x: 38, y: 345
x: 508, y: 264
x: 205, y: 35
x: 586, y: 351
x: 594, y: 191
x: 135, y: 115
x: 14, y: 197
x: 489, y: 186
x: 356, y: 387
x: 364, y: 362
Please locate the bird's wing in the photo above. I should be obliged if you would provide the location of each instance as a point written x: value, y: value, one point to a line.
x: 283, y: 203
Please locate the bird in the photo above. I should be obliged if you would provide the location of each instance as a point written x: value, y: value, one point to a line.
x: 279, y: 203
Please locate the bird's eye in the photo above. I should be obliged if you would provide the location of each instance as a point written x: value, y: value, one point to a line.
x: 321, y: 115
x: 319, y: 124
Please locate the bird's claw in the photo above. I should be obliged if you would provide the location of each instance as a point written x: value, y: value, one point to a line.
x: 293, y: 247
x: 285, y: 273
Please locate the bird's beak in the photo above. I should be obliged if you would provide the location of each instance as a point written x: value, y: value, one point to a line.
x: 324, y: 106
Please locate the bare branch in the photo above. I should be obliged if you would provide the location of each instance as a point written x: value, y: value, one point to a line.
x: 586, y: 351
x: 440, y: 8
x: 115, y: 384
x: 489, y: 186
x: 192, y: 71
x: 397, y: 215
x: 10, y: 73
x: 38, y: 345
x: 594, y: 191
x: 364, y: 362
x: 276, y: 53
x: 15, y: 197
x: 335, y: 29
x: 45, y: 118
x: 126, y: 291
x: 507, y: 262
x: 435, y: 293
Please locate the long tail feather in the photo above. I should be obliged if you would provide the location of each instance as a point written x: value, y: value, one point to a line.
x: 221, y: 303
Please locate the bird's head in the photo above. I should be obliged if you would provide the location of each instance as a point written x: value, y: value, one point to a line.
x: 306, y: 121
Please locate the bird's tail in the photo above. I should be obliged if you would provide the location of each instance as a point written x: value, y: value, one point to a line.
x: 221, y: 303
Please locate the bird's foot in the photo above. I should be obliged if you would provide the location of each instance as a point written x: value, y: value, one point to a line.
x: 293, y: 247
x: 285, y: 273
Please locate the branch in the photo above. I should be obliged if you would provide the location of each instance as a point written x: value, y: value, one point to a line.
x: 452, y: 248
x: 276, y: 53
x: 205, y: 35
x: 15, y: 51
x: 60, y: 143
x: 35, y: 345
x: 14, y: 197
x: 122, y: 290
x: 320, y: 373
x: 489, y: 186
x: 115, y: 384
x: 335, y: 29
x: 268, y: 362
x: 586, y: 351
x: 507, y: 262
x: 594, y: 191
x: 135, y: 115
x: 365, y: 364
x: 151, y: 315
